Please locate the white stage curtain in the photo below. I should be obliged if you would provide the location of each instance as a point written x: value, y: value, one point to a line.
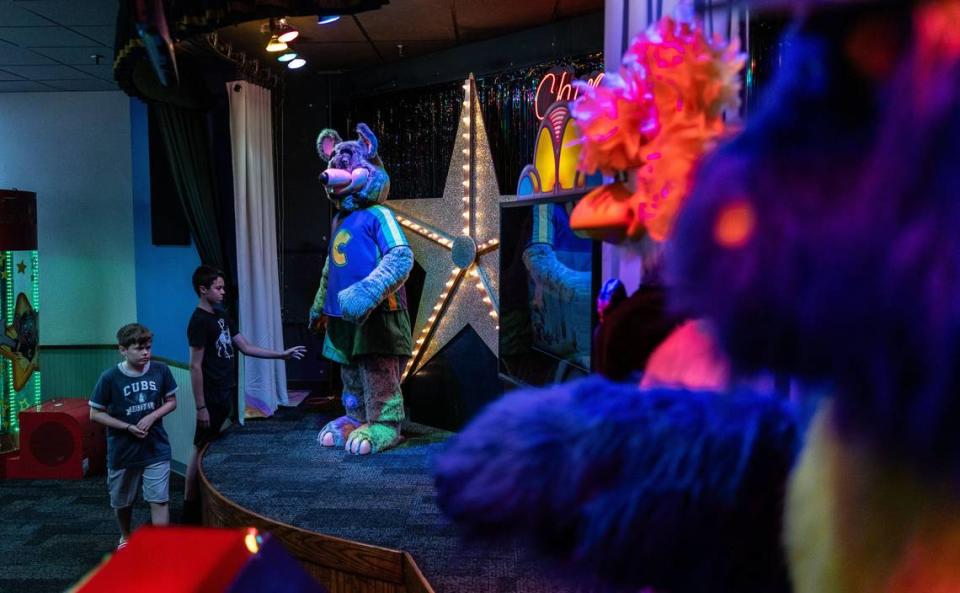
x: 263, y: 382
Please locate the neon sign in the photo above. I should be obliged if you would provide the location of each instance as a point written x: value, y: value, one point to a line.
x: 556, y: 86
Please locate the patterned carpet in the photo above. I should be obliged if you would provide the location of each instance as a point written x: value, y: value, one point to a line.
x: 52, y: 532
x: 275, y: 468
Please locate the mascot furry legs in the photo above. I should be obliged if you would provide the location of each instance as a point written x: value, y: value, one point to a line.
x: 361, y: 301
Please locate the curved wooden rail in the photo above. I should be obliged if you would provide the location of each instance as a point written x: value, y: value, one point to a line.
x: 342, y: 565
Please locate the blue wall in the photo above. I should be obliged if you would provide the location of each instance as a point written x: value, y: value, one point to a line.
x: 165, y: 297
x: 73, y: 150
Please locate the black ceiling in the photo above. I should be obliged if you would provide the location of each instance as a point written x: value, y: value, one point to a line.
x: 404, y: 29
x: 67, y: 45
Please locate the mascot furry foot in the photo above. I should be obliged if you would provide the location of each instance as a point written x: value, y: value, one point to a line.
x: 384, y: 414
x: 335, y: 432
x: 373, y: 438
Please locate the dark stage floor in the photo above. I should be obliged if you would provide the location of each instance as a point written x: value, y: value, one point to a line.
x: 275, y: 468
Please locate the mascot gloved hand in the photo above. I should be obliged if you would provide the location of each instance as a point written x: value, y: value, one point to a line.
x: 361, y: 296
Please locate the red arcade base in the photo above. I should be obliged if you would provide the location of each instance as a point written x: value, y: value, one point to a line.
x: 58, y: 441
x: 199, y: 560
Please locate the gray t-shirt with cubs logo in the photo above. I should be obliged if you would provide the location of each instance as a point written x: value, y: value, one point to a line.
x: 129, y: 397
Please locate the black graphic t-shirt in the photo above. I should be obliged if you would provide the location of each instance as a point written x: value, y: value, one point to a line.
x: 214, y: 333
x: 128, y: 396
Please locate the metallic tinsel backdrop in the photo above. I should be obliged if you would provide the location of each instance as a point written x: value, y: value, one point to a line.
x: 764, y: 55
x: 417, y: 127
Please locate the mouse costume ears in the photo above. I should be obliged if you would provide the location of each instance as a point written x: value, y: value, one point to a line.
x: 368, y: 140
x: 327, y: 139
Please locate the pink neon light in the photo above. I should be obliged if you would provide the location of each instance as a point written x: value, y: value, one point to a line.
x: 563, y: 89
x: 536, y: 103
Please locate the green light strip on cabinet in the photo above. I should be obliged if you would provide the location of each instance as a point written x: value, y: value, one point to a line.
x: 13, y: 407
x: 35, y: 283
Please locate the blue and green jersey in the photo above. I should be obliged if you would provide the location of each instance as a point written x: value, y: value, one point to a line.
x: 360, y: 239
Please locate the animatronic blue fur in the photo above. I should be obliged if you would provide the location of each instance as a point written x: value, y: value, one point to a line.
x: 666, y: 488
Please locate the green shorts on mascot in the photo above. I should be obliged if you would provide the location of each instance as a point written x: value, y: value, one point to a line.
x: 361, y: 302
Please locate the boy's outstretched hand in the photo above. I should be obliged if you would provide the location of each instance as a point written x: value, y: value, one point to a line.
x: 296, y: 353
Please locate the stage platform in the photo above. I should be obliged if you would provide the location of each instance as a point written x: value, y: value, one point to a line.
x: 359, y: 523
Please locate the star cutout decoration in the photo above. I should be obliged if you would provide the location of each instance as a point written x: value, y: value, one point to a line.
x: 455, y: 239
x: 21, y: 268
x: 19, y: 342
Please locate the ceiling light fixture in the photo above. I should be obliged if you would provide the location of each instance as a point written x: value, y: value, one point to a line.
x: 287, y: 57
x: 326, y: 20
x: 275, y: 45
x: 286, y: 32
x: 297, y: 63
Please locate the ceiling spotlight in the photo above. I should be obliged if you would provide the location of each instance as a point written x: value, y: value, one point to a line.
x: 326, y: 20
x: 286, y: 33
x: 297, y: 63
x: 287, y: 57
x: 275, y: 44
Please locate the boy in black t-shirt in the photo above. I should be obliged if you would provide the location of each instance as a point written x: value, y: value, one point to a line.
x: 213, y: 339
x: 130, y: 399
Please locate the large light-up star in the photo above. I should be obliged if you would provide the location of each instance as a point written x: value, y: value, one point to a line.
x: 455, y: 239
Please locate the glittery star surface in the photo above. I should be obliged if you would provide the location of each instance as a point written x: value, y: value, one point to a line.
x: 455, y: 239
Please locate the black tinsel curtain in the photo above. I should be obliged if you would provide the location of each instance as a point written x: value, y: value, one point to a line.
x: 417, y: 127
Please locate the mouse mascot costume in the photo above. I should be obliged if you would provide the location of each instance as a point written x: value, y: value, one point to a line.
x: 820, y: 243
x: 361, y: 302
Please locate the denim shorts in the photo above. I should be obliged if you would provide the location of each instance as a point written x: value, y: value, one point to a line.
x: 124, y: 483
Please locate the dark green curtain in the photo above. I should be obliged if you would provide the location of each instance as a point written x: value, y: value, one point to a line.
x: 184, y: 133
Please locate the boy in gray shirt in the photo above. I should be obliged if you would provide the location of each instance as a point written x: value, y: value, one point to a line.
x: 130, y: 399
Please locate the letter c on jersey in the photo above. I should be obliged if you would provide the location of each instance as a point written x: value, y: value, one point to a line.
x: 339, y: 242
